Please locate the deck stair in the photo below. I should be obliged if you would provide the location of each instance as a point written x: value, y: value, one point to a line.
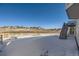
x: 63, y: 33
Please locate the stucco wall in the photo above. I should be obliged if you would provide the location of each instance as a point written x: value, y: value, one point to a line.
x: 77, y: 30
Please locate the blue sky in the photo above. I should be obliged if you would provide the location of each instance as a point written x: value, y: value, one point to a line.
x: 43, y: 15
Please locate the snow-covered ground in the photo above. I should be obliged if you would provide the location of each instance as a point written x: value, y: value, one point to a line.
x: 31, y: 35
x: 49, y: 45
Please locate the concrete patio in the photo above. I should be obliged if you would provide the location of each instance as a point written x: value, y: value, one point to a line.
x: 42, y: 45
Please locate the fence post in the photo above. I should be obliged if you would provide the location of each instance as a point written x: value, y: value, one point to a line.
x: 1, y: 39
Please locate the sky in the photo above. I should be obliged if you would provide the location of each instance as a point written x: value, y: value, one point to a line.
x: 30, y: 14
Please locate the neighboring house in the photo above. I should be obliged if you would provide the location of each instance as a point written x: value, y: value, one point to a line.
x: 72, y: 10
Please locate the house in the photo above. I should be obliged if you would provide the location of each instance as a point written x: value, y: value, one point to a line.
x: 72, y: 10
